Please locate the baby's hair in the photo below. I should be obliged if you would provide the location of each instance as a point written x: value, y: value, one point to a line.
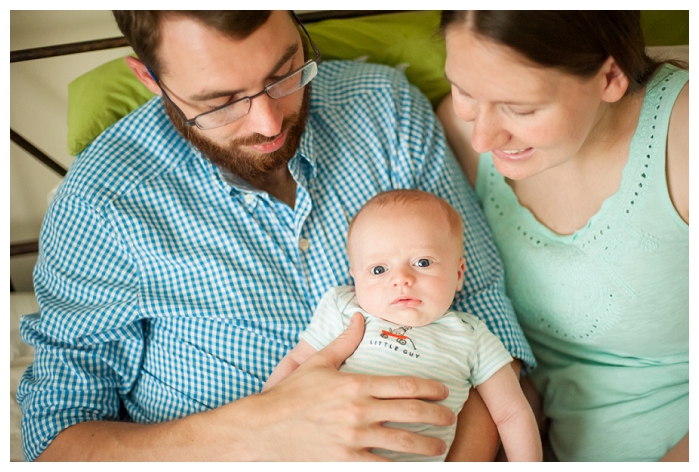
x: 406, y: 197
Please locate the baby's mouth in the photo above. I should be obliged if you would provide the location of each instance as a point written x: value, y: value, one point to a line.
x: 406, y: 302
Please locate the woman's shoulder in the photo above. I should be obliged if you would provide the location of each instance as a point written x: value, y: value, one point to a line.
x: 678, y: 154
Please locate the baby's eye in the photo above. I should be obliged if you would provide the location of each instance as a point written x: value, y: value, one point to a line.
x: 378, y: 270
x: 423, y: 263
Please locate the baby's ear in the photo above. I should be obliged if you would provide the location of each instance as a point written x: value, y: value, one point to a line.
x: 461, y: 271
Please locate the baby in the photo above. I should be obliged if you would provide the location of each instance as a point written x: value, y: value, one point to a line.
x: 405, y: 251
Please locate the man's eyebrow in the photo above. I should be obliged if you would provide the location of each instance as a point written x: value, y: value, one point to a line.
x: 290, y: 52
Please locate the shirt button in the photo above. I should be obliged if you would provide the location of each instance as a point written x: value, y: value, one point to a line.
x: 304, y: 244
x: 249, y: 198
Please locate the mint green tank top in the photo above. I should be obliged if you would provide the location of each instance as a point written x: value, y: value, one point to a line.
x: 606, y: 309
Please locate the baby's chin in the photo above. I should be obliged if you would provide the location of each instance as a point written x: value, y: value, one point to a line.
x: 407, y: 316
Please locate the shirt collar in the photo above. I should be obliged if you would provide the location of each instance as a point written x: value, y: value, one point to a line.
x: 303, y: 165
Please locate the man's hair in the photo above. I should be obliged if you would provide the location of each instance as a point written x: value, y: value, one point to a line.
x: 141, y: 28
x: 407, y: 197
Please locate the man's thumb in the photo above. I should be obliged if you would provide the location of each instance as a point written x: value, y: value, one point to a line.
x: 345, y: 344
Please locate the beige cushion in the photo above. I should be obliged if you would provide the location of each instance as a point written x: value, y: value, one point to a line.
x: 670, y: 52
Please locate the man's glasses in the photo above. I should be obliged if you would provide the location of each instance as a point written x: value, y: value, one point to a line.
x: 223, y: 115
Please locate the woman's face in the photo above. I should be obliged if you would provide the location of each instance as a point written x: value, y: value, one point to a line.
x: 532, y: 118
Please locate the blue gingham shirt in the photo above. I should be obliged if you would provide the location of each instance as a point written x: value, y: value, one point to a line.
x: 167, y: 288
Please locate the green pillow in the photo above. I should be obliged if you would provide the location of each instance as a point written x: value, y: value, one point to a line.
x: 665, y: 27
x: 409, y: 41
x: 101, y: 97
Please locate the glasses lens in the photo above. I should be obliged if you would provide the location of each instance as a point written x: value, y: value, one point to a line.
x: 280, y: 89
x: 223, y: 116
x: 294, y: 82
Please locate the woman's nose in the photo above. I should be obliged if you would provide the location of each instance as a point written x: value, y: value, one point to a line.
x: 488, y: 133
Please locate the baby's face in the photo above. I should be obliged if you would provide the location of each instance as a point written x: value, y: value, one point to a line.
x: 406, y: 263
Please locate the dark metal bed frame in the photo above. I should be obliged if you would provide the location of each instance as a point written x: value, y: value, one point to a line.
x: 32, y: 246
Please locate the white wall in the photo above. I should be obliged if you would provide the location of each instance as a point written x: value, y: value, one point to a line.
x: 39, y: 110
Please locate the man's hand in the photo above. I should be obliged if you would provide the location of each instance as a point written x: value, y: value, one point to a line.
x: 315, y: 414
x: 319, y: 413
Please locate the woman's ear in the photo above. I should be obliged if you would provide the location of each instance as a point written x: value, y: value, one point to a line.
x: 142, y: 73
x: 616, y: 82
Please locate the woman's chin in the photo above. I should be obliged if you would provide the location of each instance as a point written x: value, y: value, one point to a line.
x: 514, y: 169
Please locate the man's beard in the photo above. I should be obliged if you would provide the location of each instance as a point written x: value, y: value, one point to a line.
x: 251, y: 167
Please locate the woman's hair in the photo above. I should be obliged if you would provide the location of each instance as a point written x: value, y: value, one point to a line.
x: 141, y: 27
x: 576, y: 42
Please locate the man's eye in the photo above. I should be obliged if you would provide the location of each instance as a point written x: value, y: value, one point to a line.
x: 423, y: 263
x: 221, y: 103
x: 378, y: 270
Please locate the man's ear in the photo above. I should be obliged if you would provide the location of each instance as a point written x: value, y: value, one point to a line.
x: 141, y: 71
x: 616, y: 83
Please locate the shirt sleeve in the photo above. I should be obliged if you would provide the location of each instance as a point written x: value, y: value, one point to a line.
x: 327, y: 322
x: 88, y: 339
x: 428, y: 164
x: 490, y: 357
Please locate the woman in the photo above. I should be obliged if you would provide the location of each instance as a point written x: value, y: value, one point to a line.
x: 577, y: 144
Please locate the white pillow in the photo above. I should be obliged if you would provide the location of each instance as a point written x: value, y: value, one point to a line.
x: 670, y: 52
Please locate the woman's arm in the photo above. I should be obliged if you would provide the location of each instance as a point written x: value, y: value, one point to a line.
x: 679, y: 453
x: 677, y: 170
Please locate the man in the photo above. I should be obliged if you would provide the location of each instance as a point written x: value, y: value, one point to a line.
x: 186, y: 250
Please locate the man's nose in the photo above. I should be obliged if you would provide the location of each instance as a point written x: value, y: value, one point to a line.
x: 488, y: 132
x: 265, y: 116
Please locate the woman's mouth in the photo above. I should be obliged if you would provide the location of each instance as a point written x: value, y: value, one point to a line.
x: 513, y: 154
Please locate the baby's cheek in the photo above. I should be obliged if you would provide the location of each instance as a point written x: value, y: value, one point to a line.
x: 366, y: 297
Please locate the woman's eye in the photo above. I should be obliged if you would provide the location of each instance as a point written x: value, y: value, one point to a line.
x: 423, y: 263
x: 521, y: 112
x: 378, y: 270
